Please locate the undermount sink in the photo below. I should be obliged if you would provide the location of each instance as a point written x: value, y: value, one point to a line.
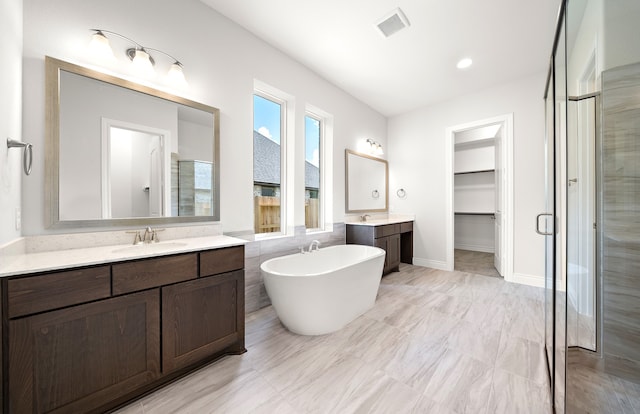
x: 150, y: 247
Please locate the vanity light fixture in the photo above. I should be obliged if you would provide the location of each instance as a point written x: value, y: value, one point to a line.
x: 139, y: 55
x: 375, y: 147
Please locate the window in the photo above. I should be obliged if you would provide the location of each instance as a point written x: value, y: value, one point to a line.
x: 268, y: 144
x: 312, y: 172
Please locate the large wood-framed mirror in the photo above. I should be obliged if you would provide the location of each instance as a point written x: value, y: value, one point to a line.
x: 119, y: 153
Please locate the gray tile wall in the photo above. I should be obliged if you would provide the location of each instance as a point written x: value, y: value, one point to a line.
x: 259, y: 251
x: 621, y: 220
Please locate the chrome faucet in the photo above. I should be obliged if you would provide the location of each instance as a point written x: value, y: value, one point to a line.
x: 364, y: 217
x: 151, y: 235
x: 315, y: 243
x: 137, y: 239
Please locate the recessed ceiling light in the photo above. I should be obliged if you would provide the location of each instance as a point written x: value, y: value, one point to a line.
x: 464, y: 63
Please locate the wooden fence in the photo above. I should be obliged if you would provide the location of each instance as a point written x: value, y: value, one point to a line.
x: 267, y: 214
x: 311, y: 212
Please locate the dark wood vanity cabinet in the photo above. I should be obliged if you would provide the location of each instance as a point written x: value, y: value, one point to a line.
x: 395, y: 239
x: 110, y: 333
x: 391, y: 245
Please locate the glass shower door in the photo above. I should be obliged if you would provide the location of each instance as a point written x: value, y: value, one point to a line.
x: 545, y: 224
x: 560, y: 210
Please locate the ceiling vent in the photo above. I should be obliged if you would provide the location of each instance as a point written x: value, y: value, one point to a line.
x: 392, y: 23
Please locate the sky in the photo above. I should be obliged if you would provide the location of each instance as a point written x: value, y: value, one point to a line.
x: 266, y: 120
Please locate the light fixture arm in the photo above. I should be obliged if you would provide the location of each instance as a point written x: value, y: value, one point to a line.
x: 176, y: 61
x: 102, y: 32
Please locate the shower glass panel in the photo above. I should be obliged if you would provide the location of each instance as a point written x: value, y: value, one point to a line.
x: 548, y: 227
x: 580, y: 190
x: 560, y: 314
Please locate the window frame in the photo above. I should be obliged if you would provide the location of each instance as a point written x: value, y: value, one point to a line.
x: 283, y: 102
x: 321, y: 169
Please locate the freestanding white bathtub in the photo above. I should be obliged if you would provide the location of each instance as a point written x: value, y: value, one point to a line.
x: 321, y: 292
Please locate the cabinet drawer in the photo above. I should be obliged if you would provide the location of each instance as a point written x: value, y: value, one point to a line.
x: 223, y: 260
x: 56, y: 290
x: 386, y: 230
x: 406, y: 227
x: 149, y: 273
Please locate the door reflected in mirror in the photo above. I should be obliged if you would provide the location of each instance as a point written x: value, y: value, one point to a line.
x: 133, y: 184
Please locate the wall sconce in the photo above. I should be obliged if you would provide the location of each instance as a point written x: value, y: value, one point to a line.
x: 139, y: 55
x: 375, y: 147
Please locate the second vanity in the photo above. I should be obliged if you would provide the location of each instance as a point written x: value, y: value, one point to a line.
x: 393, y: 235
x: 103, y: 326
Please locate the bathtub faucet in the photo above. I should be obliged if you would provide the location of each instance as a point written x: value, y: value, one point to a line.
x: 314, y: 243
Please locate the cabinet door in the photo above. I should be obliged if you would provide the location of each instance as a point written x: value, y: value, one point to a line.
x: 201, y: 318
x: 393, y: 251
x: 383, y: 243
x: 79, y: 358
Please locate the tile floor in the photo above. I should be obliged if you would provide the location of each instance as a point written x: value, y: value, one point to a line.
x: 435, y: 342
x: 590, y: 390
x: 479, y: 263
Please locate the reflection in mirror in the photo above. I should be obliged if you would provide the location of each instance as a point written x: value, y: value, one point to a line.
x: 122, y: 153
x: 367, y: 183
x: 132, y: 185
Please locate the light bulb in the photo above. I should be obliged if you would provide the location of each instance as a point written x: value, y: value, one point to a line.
x: 100, y: 46
x: 141, y: 62
x: 176, y: 75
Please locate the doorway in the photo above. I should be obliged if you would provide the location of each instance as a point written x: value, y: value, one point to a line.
x: 479, y: 199
x: 134, y: 169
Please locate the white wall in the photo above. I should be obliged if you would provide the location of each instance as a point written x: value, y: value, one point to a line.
x: 416, y: 162
x: 622, y: 37
x: 10, y: 116
x: 587, y: 41
x: 475, y: 233
x: 221, y: 61
x: 195, y: 141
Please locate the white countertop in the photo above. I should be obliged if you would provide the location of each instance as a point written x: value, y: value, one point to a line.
x: 381, y: 221
x: 24, y: 263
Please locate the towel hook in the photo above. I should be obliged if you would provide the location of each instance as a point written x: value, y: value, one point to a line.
x: 27, y: 155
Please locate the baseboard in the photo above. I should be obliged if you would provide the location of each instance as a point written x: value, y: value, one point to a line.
x: 475, y: 248
x: 434, y: 264
x: 531, y: 280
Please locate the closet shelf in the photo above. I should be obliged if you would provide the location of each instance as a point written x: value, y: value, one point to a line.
x: 476, y: 187
x: 484, y: 142
x: 474, y: 172
x: 474, y: 213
